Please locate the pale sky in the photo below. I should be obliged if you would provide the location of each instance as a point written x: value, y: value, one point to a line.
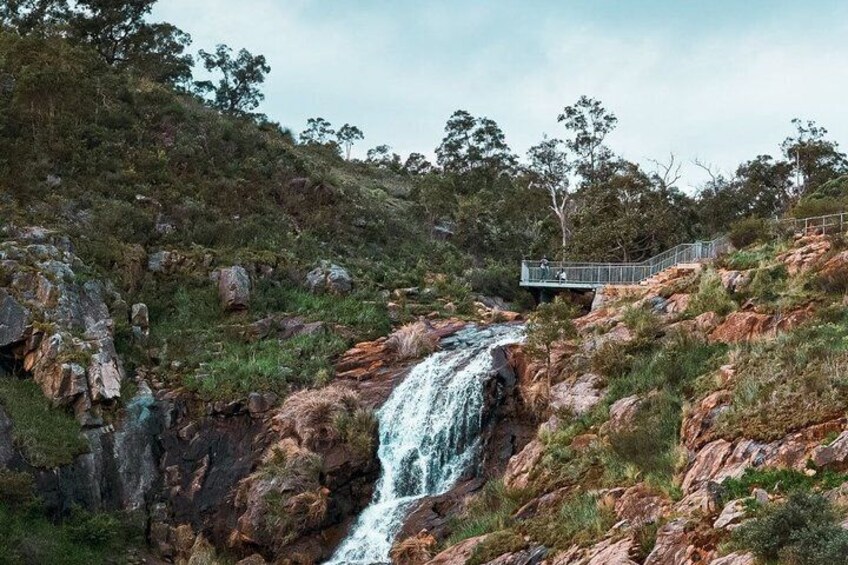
x: 719, y: 80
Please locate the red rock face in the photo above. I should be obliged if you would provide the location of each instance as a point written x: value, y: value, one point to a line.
x: 807, y: 254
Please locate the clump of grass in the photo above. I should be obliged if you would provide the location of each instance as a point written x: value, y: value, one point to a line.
x: 650, y: 443
x: 274, y: 366
x: 412, y: 341
x: 495, y: 545
x: 711, y: 296
x: 357, y: 429
x: 47, y: 437
x: 582, y: 519
x: 329, y: 416
x: 804, y: 530
x: 674, y: 367
x: 488, y: 511
x: 768, y: 283
x: 642, y: 321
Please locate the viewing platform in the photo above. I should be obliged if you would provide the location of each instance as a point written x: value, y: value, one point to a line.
x: 589, y: 276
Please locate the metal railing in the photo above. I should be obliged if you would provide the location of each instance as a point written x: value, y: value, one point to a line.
x: 829, y: 223
x: 589, y: 275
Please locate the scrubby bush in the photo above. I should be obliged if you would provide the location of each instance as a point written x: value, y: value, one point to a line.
x: 747, y: 231
x: 804, y: 530
x: 495, y: 280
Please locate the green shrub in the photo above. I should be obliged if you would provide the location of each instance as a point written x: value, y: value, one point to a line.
x: 48, y: 437
x: 711, y: 296
x: 80, y: 539
x: 15, y: 487
x: 495, y: 280
x: 804, y: 530
x: 747, y: 231
x: 780, y: 481
x: 768, y: 283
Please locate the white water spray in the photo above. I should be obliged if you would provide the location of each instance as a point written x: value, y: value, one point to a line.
x: 429, y: 435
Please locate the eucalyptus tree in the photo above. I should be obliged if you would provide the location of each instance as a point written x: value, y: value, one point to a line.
x: 237, y: 90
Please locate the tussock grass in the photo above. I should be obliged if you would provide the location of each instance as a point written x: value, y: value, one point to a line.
x: 411, y: 341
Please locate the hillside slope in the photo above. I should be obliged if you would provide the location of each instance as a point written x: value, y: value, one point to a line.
x: 698, y: 421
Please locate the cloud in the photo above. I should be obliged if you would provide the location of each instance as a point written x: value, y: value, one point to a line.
x: 723, y: 89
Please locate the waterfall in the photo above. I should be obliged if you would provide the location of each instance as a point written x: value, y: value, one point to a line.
x: 429, y: 435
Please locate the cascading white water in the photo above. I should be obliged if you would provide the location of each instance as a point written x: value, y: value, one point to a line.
x: 429, y: 434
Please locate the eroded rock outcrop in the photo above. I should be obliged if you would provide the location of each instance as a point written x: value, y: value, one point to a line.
x: 313, y: 478
x: 57, y: 326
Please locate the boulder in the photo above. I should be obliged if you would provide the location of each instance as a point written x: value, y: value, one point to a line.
x: 623, y: 412
x: 609, y: 552
x: 735, y: 558
x: 458, y: 554
x: 578, y: 395
x: 834, y: 455
x: 731, y: 515
x: 808, y: 253
x: 674, y: 545
x: 741, y: 327
x: 329, y: 278
x: 234, y: 288
x: 13, y: 320
x: 521, y: 465
x: 639, y: 505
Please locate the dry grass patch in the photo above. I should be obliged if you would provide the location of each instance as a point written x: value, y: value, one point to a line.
x: 412, y: 341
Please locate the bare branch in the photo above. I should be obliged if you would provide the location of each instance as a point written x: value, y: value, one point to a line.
x: 709, y: 168
x: 668, y: 172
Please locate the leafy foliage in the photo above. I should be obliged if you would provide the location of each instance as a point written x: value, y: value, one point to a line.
x: 803, y: 530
